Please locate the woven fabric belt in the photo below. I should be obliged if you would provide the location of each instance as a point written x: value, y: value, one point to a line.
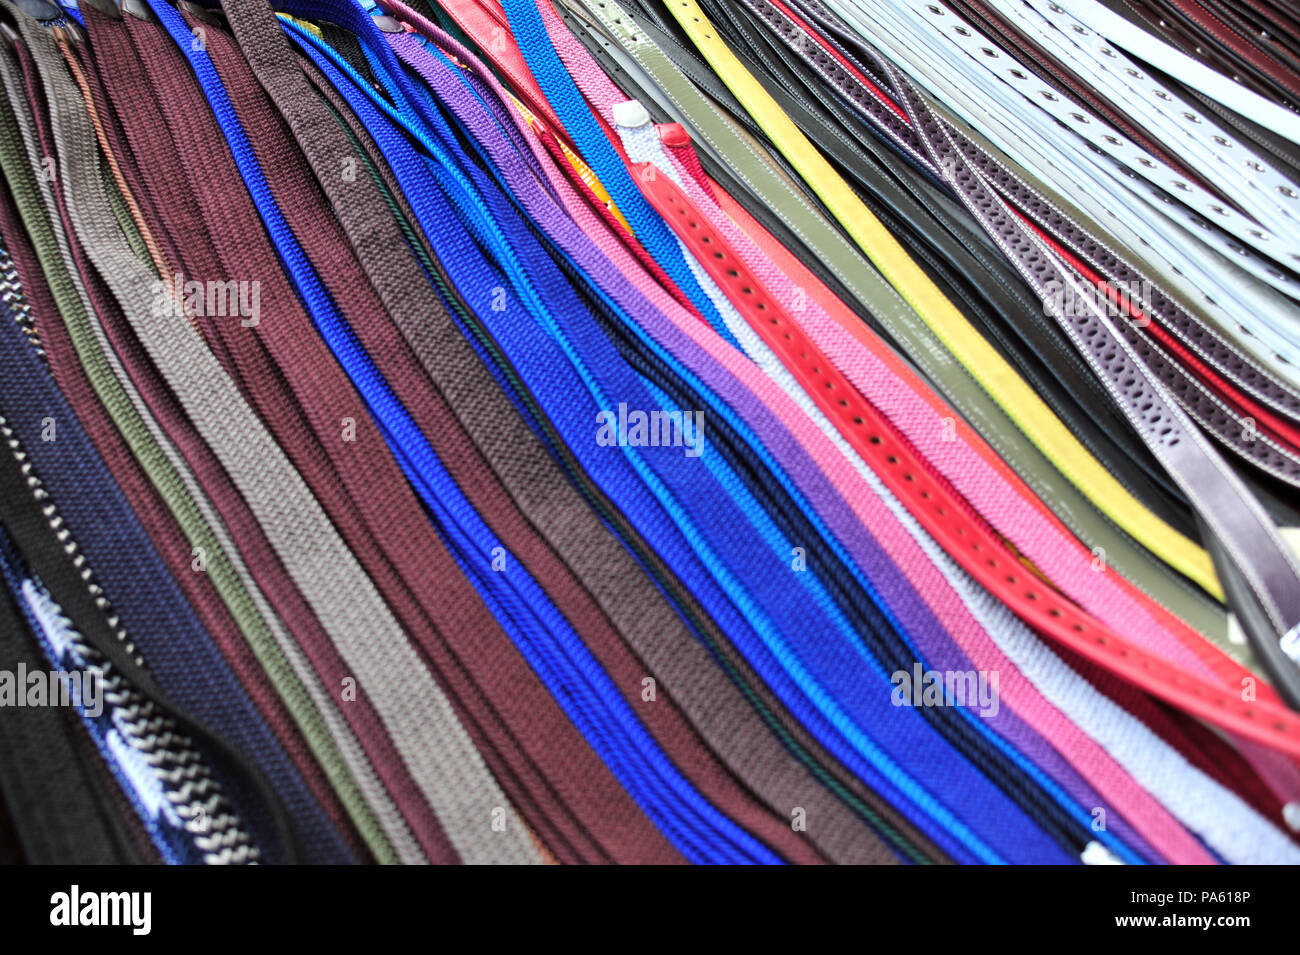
x: 929, y: 354
x: 688, y: 27
x: 527, y: 554
x: 302, y: 689
x: 461, y: 258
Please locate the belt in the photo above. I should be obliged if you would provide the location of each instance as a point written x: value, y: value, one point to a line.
x: 1018, y: 43
x: 62, y: 808
x: 680, y: 826
x: 36, y: 527
x: 1237, y: 520
x: 1268, y: 202
x: 638, y: 142
x: 1174, y: 247
x: 525, y: 555
x: 1088, y: 709
x: 980, y: 359
x: 1211, y: 410
x: 931, y: 503
x: 1164, y: 57
x: 484, y: 132
x: 458, y: 619
x: 1221, y: 40
x: 688, y: 27
x: 246, y: 254
x: 314, y: 710
x: 643, y: 142
x: 1039, y: 354
x: 937, y: 451
x: 833, y: 250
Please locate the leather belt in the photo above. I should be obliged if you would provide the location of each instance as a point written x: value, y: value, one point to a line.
x: 1233, y: 51
x: 1193, y: 393
x: 1279, y: 558
x: 980, y: 359
x: 1222, y: 416
x: 1043, y: 357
